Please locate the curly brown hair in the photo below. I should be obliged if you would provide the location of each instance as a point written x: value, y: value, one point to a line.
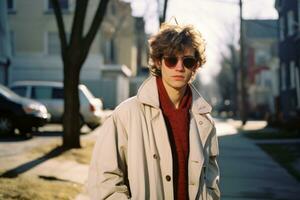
x: 173, y: 39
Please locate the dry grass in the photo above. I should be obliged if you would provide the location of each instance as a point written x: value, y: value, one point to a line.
x: 28, y: 187
x: 286, y: 155
x: 82, y: 155
x: 31, y: 187
x: 43, y: 149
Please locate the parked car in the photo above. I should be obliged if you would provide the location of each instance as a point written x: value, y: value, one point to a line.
x: 52, y: 95
x: 19, y: 112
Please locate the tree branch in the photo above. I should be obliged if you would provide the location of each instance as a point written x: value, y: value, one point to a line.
x: 78, y: 22
x: 61, y: 27
x: 99, y: 15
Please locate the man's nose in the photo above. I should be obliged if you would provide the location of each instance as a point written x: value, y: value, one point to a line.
x: 179, y: 66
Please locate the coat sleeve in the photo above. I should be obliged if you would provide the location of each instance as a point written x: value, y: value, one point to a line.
x: 107, y: 173
x: 212, y: 172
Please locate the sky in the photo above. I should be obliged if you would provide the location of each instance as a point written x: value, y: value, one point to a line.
x: 217, y: 20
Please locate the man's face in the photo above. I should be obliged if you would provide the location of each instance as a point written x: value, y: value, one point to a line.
x: 177, y: 76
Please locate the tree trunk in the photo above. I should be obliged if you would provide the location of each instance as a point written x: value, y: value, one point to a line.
x: 71, y: 120
x: 74, y: 53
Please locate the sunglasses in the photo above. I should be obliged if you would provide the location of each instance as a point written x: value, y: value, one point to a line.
x: 188, y: 61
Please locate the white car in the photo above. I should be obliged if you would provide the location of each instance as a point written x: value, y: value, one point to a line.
x: 51, y: 94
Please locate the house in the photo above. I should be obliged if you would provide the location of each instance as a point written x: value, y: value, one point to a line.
x: 262, y: 66
x: 289, y: 55
x: 112, y: 59
x: 5, y: 47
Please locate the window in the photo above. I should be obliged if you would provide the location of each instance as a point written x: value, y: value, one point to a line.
x: 298, y: 85
x: 290, y: 20
x: 109, y: 51
x: 58, y: 93
x: 262, y: 56
x: 292, y: 75
x: 41, y: 92
x: 64, y: 4
x: 12, y: 42
x: 283, y: 86
x: 281, y: 28
x: 10, y: 5
x: 113, y: 9
x: 20, y: 90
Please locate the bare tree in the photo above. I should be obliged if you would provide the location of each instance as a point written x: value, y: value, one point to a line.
x: 74, y: 52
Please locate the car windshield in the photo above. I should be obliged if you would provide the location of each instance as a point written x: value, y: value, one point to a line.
x: 8, y: 93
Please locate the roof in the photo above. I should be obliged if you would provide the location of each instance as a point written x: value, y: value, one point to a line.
x: 261, y: 28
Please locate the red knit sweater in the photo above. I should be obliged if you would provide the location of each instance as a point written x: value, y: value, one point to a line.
x: 177, y: 122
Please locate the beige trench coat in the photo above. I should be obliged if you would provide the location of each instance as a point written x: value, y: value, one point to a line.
x: 132, y: 157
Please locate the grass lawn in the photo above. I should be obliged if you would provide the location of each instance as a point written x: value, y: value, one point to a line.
x: 286, y: 155
x: 264, y: 134
x: 31, y: 187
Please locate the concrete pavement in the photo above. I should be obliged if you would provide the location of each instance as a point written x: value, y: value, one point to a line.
x: 248, y: 173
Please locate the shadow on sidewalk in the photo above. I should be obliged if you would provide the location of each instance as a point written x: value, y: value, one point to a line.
x: 31, y: 164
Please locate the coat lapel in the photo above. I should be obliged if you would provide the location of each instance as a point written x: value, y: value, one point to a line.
x: 196, y: 148
x: 204, y: 126
x: 162, y: 139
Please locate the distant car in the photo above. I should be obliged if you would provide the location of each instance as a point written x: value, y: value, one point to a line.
x: 52, y: 95
x: 19, y: 112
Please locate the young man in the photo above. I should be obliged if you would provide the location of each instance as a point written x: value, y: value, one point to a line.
x: 162, y: 143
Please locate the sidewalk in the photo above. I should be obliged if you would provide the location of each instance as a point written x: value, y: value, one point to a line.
x: 248, y: 173
x: 67, y: 170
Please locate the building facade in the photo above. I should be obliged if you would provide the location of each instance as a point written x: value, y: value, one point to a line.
x: 36, y: 46
x: 289, y: 55
x: 262, y: 65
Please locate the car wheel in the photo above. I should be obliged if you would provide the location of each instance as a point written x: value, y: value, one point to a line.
x: 25, y: 130
x: 6, y: 125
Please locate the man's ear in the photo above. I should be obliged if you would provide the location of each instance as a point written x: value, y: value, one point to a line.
x: 158, y: 63
x: 196, y: 67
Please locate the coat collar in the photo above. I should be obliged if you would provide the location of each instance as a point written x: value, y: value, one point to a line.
x: 148, y: 94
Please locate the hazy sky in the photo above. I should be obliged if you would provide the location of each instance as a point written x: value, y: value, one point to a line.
x: 217, y: 20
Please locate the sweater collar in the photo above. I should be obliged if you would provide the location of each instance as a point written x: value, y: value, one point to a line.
x: 148, y: 94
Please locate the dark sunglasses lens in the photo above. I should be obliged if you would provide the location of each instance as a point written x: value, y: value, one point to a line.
x: 189, y: 62
x: 171, y: 61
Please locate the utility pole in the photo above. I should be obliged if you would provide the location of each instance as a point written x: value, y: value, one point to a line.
x: 243, y: 89
x: 162, y: 18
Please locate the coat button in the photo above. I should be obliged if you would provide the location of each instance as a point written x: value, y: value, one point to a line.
x: 200, y: 122
x: 155, y: 156
x: 168, y: 178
